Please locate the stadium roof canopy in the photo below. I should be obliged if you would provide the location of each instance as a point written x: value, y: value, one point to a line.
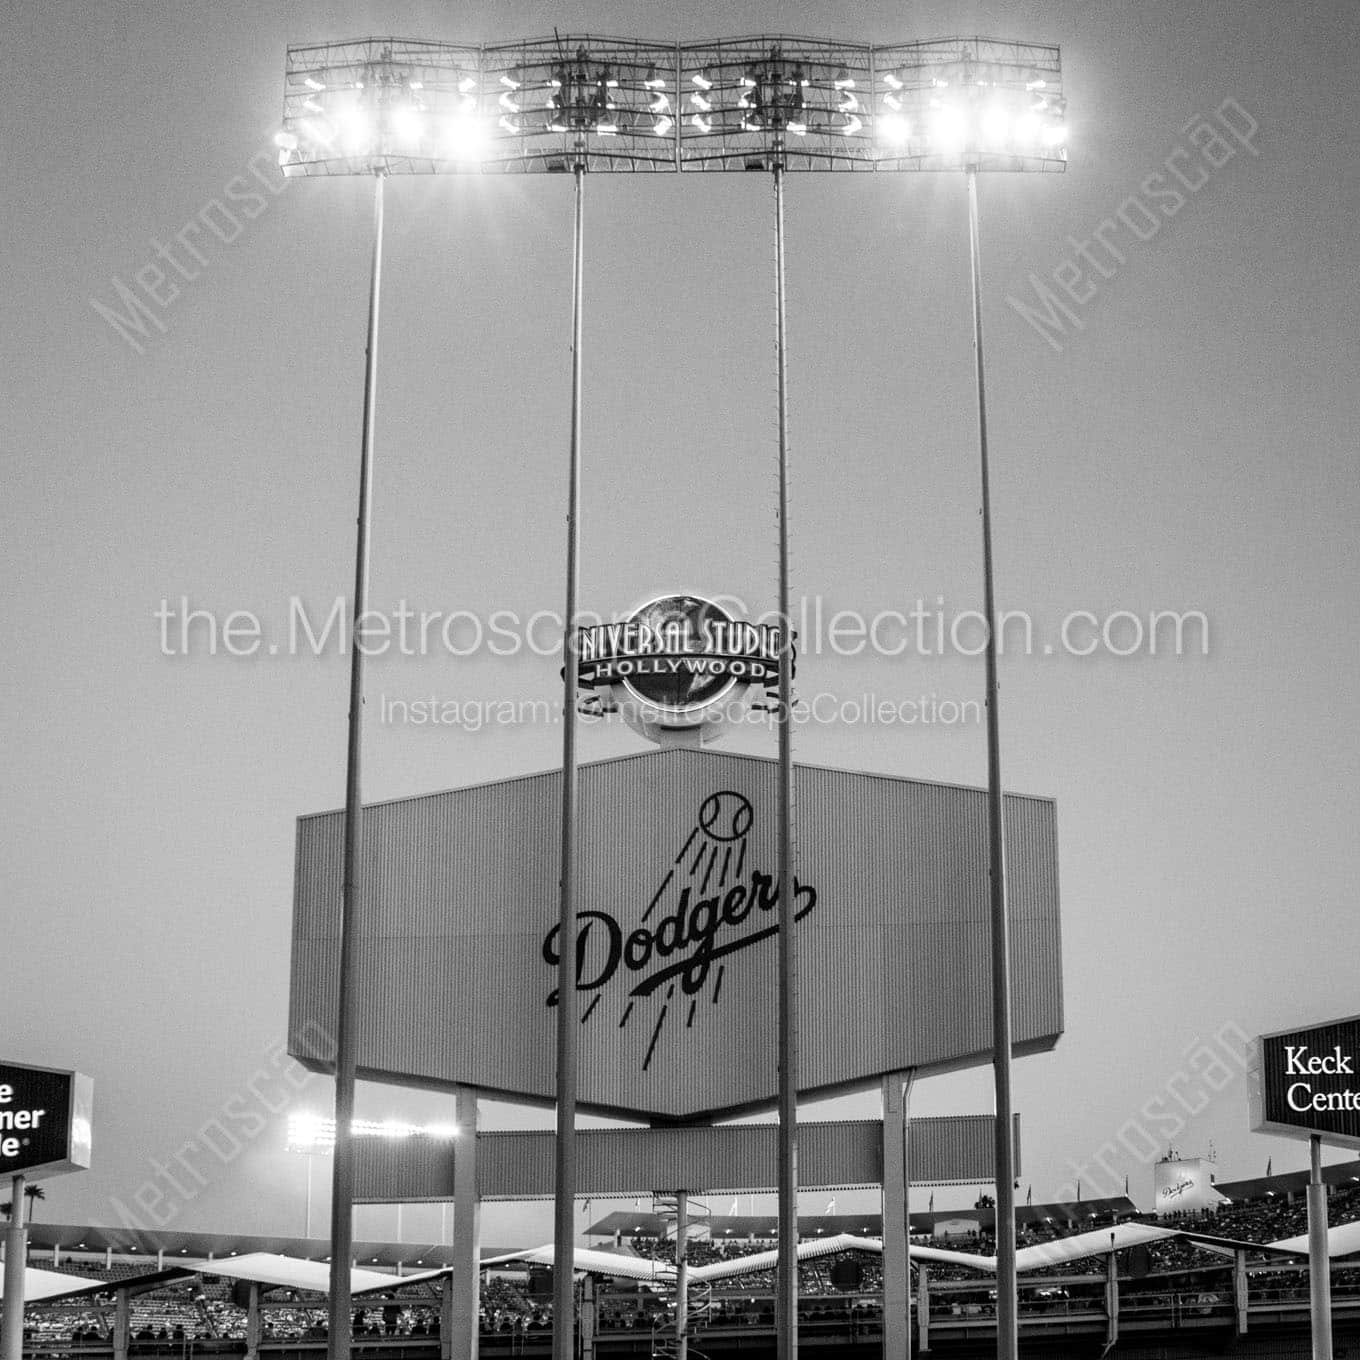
x: 1341, y: 1241
x: 1289, y: 1183
x: 40, y: 1285
x: 285, y: 1272
x: 1079, y: 1246
x: 76, y: 1237
x: 637, y: 1223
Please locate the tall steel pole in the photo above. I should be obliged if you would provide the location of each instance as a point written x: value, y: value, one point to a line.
x: 682, y: 1275
x: 564, y: 1204
x: 1007, y: 1335
x: 16, y: 1260
x: 1319, y: 1262
x: 351, y: 891
x: 786, y: 1279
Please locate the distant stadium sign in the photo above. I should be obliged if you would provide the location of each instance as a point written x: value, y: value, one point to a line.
x: 679, y: 652
x: 1307, y: 1081
x: 44, y: 1121
x: 676, y: 664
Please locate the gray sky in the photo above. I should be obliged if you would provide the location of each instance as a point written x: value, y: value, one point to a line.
x: 1185, y: 443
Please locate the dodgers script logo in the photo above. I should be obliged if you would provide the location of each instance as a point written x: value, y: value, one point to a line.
x: 709, y: 906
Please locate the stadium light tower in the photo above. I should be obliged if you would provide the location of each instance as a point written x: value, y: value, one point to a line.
x: 383, y: 106
x: 977, y: 104
x: 386, y: 106
x: 376, y: 107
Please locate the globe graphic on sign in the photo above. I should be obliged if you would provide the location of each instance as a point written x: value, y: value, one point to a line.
x: 677, y: 677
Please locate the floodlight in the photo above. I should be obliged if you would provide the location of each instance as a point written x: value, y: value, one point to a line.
x: 996, y: 126
x: 409, y: 126
x: 381, y: 105
x: 948, y: 129
x: 971, y: 103
x: 356, y: 130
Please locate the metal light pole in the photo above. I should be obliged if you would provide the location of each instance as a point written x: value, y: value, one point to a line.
x: 786, y: 1301
x: 1319, y: 1262
x: 1007, y: 1336
x: 16, y: 1259
x: 342, y: 1165
x: 564, y: 1204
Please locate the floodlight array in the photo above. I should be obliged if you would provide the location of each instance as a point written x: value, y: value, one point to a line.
x: 382, y: 103
x: 400, y: 106
x: 751, y: 101
x: 961, y: 103
x: 604, y: 102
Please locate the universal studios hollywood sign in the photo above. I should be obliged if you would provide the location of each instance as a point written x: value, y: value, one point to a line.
x: 675, y: 661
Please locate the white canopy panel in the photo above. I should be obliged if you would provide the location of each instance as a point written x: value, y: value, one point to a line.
x: 594, y: 1262
x: 290, y: 1273
x: 53, y: 1284
x: 1341, y: 1241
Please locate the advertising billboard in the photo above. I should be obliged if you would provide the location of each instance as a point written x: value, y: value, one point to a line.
x: 44, y: 1121
x: 1307, y: 1081
x: 1184, y: 1185
x: 676, y: 959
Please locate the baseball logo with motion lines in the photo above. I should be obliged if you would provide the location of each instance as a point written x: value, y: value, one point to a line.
x: 710, y: 905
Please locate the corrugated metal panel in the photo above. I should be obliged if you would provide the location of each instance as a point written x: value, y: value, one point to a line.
x: 956, y: 1148
x: 835, y: 1154
x: 894, y: 961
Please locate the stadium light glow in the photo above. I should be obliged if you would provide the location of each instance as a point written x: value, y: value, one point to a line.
x: 314, y: 1134
x: 971, y: 103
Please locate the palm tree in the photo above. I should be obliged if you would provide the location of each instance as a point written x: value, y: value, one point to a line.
x: 32, y: 1193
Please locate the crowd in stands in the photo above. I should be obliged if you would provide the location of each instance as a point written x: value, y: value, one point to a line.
x: 202, y: 1310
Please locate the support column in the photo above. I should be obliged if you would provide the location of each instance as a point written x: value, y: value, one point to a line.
x: 446, y: 1288
x: 681, y: 1275
x: 464, y: 1294
x: 588, y: 1317
x: 122, y: 1323
x: 1240, y: 1291
x: 896, y: 1220
x: 254, y: 1327
x: 1319, y: 1261
x: 923, y: 1308
x: 1111, y: 1299
x: 16, y: 1259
